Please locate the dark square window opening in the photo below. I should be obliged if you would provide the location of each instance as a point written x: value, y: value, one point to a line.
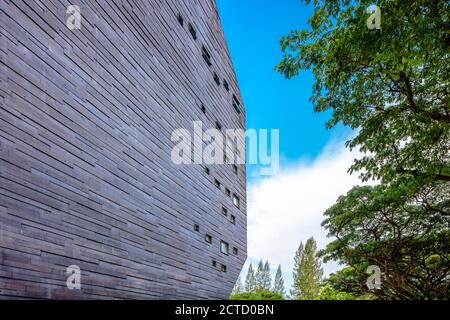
x: 180, y: 19
x: 208, y: 238
x: 206, y: 56
x: 235, y: 251
x: 236, y: 201
x: 217, y: 183
x: 213, y: 263
x: 235, y: 99
x: 236, y: 104
x: 228, y: 192
x: 203, y: 108
x: 233, y: 219
x: 236, y: 108
x: 225, y: 84
x: 192, y: 32
x: 224, y: 247
x: 223, y: 268
x: 216, y: 79
x: 196, y: 227
x: 207, y: 171
x: 235, y: 169
x: 225, y: 212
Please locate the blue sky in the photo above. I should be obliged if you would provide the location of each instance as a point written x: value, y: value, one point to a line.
x: 253, y: 30
x: 288, y: 207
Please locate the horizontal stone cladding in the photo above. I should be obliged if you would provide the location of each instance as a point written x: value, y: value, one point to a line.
x: 86, y: 177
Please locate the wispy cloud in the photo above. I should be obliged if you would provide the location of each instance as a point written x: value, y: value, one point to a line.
x: 287, y: 208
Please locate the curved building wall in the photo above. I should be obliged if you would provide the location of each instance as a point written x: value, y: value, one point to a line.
x: 86, y: 177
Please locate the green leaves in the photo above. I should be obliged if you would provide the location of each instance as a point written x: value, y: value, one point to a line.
x: 391, y: 84
x: 307, y: 273
x: 406, y: 236
x: 258, y: 295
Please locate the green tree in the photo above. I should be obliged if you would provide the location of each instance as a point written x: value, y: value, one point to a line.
x: 278, y: 285
x: 307, y: 272
x: 390, y: 84
x: 348, y: 280
x: 238, y: 287
x: 295, y: 291
x: 329, y: 293
x: 400, y: 234
x: 266, y: 278
x: 259, y: 276
x: 250, y: 281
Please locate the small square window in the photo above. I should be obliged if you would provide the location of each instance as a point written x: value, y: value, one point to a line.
x: 213, y: 263
x: 180, y: 19
x: 235, y: 251
x: 224, y: 247
x: 208, y: 238
x: 235, y: 99
x: 233, y: 219
x: 228, y: 192
x: 225, y: 159
x: 235, y: 169
x: 192, y: 31
x: 206, y: 56
x: 216, y: 78
x: 218, y: 126
x: 236, y: 201
x: 225, y: 211
x: 217, y: 183
x: 207, y: 171
x: 196, y: 227
x: 236, y: 108
x: 225, y: 84
x: 203, y: 108
x: 223, y: 268
x: 236, y: 104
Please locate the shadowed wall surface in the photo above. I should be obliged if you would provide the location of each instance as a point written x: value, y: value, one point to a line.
x: 86, y: 178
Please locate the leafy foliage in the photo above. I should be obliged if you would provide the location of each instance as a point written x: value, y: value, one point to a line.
x: 348, y: 280
x: 266, y: 278
x: 263, y: 280
x: 329, y: 293
x: 278, y: 285
x: 390, y: 84
x: 409, y: 242
x: 258, y: 295
x: 259, y: 276
x: 238, y: 287
x: 307, y: 272
x: 250, y: 280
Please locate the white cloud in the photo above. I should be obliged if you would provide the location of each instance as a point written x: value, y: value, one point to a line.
x: 288, y: 207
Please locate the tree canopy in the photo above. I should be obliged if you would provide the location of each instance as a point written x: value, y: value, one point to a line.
x: 278, y: 284
x: 250, y: 280
x: 390, y: 84
x: 307, y: 273
x: 411, y: 243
